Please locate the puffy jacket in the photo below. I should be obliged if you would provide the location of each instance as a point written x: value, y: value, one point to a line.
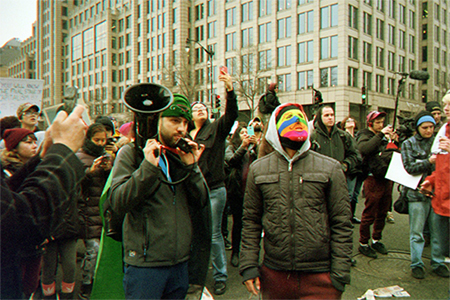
x: 91, y: 190
x: 162, y: 220
x: 415, y: 153
x: 302, y: 205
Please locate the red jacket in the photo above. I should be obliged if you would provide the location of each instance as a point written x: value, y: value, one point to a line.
x: 440, y: 180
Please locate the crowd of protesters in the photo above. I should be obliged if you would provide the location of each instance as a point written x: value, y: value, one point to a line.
x: 290, y: 183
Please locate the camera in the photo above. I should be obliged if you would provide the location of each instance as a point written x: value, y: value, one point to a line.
x: 183, y: 145
x: 111, y: 140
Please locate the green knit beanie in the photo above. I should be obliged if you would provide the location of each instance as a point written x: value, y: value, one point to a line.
x: 179, y: 108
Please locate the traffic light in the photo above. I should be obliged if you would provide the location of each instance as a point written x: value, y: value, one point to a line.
x: 363, y: 96
x: 217, y: 101
x: 317, y: 97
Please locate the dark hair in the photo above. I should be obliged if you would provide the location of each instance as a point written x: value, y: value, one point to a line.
x: 95, y: 128
x: 236, y: 137
x: 345, y: 120
x: 9, y: 123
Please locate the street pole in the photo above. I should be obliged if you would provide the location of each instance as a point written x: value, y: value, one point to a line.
x: 210, y: 62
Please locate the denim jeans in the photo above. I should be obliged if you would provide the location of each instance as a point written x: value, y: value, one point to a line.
x: 439, y: 238
x: 419, y: 213
x: 218, y: 199
x: 156, y: 283
x: 90, y: 259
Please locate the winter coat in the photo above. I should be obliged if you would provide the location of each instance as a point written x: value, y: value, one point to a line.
x: 238, y: 161
x: 213, y: 135
x: 337, y: 144
x: 30, y: 202
x: 415, y: 153
x: 164, y: 224
x: 302, y: 205
x: 91, y: 190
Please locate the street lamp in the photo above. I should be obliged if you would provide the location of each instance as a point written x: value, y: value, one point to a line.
x: 210, y: 53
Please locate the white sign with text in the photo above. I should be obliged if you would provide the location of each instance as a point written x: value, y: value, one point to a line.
x: 15, y: 91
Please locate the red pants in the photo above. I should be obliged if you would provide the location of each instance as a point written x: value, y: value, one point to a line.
x: 296, y: 285
x: 378, y: 201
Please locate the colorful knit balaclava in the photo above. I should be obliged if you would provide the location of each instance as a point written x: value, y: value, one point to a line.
x: 292, y: 127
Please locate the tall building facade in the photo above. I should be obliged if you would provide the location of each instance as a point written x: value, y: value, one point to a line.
x: 337, y: 47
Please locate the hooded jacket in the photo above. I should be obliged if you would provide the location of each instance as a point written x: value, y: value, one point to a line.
x: 337, y: 144
x: 302, y: 205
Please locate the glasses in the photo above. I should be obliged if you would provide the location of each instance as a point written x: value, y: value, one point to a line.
x: 31, y: 113
x: 198, y: 109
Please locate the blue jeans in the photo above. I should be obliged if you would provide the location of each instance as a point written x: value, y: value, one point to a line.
x: 218, y: 198
x: 439, y: 238
x: 419, y: 213
x: 157, y: 282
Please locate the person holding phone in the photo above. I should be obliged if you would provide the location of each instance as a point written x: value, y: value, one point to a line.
x: 213, y: 136
x: 98, y: 165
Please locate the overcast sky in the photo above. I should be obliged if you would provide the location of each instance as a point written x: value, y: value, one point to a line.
x: 16, y: 18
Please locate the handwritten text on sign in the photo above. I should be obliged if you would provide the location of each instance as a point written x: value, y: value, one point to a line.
x: 14, y: 91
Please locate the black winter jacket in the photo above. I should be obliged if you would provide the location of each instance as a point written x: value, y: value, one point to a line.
x: 213, y: 135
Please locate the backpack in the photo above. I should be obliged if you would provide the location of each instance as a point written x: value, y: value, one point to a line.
x: 262, y: 105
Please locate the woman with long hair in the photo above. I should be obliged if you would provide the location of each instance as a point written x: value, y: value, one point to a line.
x: 239, y: 154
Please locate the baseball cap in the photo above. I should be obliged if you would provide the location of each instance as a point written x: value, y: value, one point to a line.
x: 24, y: 107
x: 374, y: 115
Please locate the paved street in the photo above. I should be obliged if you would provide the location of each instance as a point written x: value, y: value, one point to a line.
x: 392, y: 269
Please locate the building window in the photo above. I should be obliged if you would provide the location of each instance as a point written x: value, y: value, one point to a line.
x: 424, y: 53
x: 391, y: 8
x: 265, y: 32
x: 88, y: 42
x: 367, y: 48
x: 412, y: 19
x: 247, y: 37
x: 264, y: 7
x: 284, y: 82
x: 352, y: 77
x: 76, y: 47
x: 305, y: 52
x: 391, y: 34
x: 231, y: 65
x: 437, y: 55
x: 424, y: 31
x: 379, y: 5
x: 306, y: 22
x: 305, y: 79
x: 247, y: 11
x: 284, y: 4
x: 284, y: 56
x: 352, y: 17
x: 328, y: 47
x: 391, y: 86
x: 401, y: 13
x: 265, y: 59
x: 380, y: 84
x: 391, y: 61
x: 380, y: 29
x: 199, y: 12
x: 230, y: 17
x: 401, y: 39
x: 352, y: 47
x: 247, y: 64
x: 367, y: 80
x: 284, y: 28
x: 401, y: 64
x: 212, y: 29
x: 436, y: 34
x: 329, y: 16
x: 412, y: 44
x: 230, y: 41
x: 367, y: 23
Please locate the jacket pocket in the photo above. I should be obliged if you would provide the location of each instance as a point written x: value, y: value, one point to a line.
x: 269, y: 186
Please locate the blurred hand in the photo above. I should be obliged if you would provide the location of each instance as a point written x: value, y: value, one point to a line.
x: 194, y: 155
x: 112, y: 147
x: 253, y: 140
x: 387, y: 130
x: 253, y: 285
x: 226, y: 78
x: 46, y: 144
x: 432, y: 159
x: 151, y: 150
x: 69, y: 130
x: 245, y: 141
x: 444, y: 143
x: 426, y: 188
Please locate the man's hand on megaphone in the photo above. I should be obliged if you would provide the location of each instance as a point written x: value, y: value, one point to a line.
x: 151, y: 151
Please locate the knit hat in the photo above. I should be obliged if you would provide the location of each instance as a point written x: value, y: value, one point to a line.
x: 105, y: 121
x: 422, y: 117
x: 24, y: 107
x: 14, y: 136
x: 126, y: 128
x: 432, y: 106
x: 180, y: 107
x: 292, y: 126
x: 374, y: 115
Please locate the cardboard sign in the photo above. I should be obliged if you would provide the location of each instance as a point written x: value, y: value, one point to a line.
x: 15, y: 91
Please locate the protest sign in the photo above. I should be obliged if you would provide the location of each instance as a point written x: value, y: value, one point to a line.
x: 15, y: 91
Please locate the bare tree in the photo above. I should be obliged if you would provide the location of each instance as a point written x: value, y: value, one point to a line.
x: 250, y: 77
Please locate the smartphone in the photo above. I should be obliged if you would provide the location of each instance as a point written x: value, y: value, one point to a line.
x: 250, y: 130
x: 183, y: 145
x: 223, y: 70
